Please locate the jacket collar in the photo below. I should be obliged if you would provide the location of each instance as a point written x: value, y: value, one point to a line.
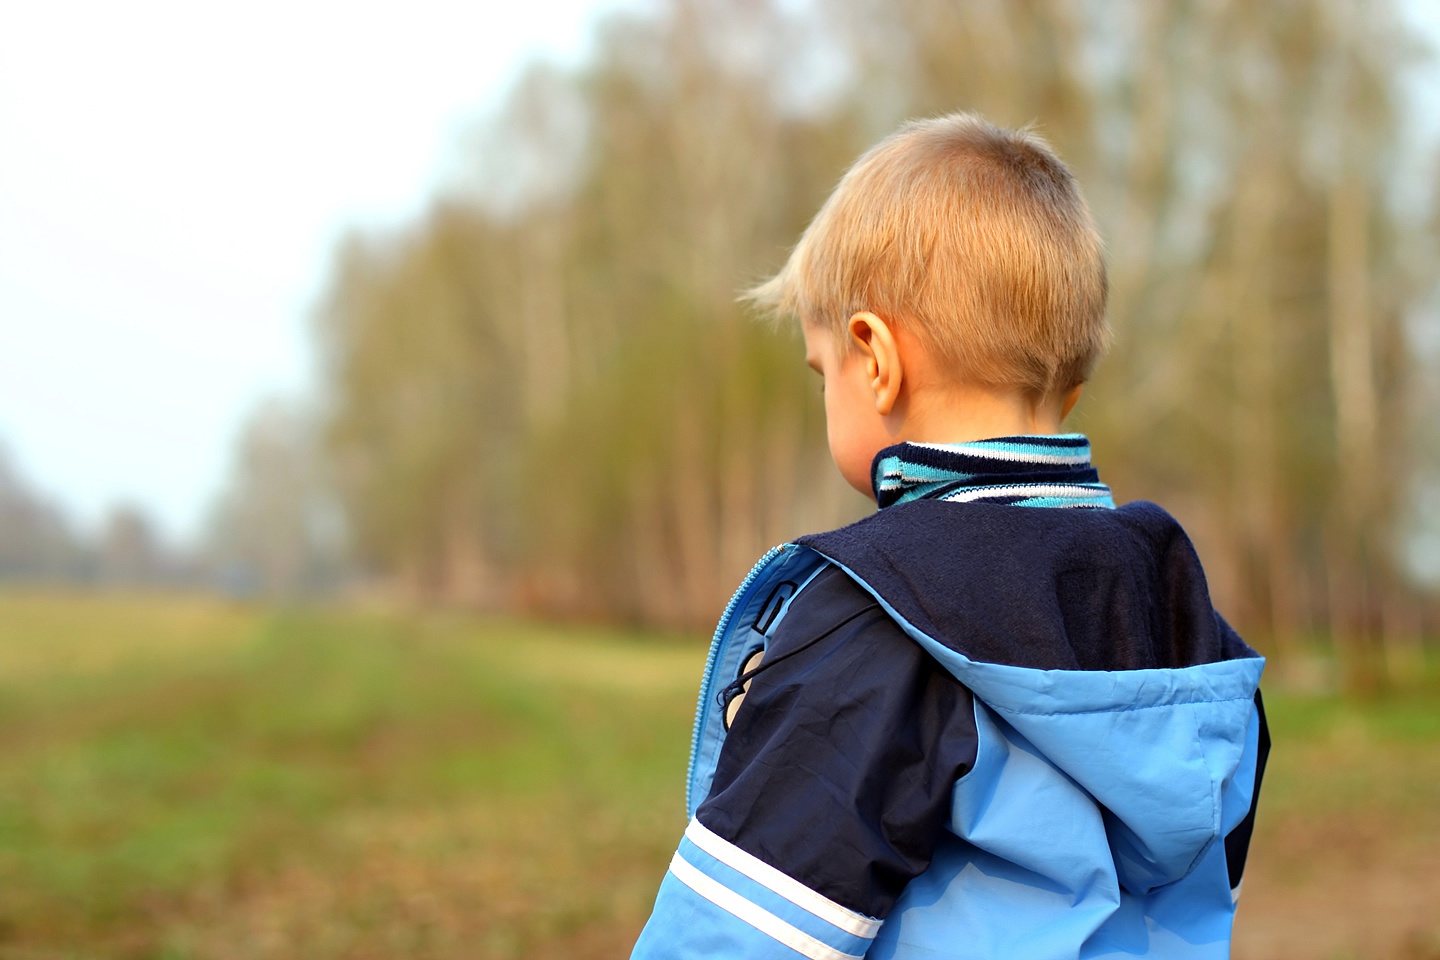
x: 1027, y: 471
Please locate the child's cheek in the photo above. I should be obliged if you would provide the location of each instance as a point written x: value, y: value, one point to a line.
x: 847, y: 434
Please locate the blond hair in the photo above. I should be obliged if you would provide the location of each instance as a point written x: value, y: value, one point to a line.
x: 974, y: 237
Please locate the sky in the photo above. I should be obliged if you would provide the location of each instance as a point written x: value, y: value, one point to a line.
x: 174, y: 177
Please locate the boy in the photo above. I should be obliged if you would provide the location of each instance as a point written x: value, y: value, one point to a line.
x: 998, y: 718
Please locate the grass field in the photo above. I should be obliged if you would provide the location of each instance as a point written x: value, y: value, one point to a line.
x: 182, y: 778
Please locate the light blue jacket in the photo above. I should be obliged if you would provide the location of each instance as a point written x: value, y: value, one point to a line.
x: 1093, y: 820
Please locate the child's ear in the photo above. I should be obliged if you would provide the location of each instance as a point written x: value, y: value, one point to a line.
x: 879, y: 351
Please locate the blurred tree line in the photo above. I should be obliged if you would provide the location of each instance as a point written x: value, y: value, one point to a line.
x: 39, y: 543
x: 543, y: 396
x: 274, y: 532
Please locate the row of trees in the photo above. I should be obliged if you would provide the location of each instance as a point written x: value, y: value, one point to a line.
x: 543, y: 395
x: 275, y: 531
x: 40, y: 543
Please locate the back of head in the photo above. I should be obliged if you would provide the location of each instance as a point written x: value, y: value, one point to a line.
x: 973, y: 237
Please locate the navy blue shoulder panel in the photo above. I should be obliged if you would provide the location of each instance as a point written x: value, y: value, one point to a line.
x: 1079, y: 589
x: 840, y: 765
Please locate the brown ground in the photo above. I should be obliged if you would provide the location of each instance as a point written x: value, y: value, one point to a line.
x: 1346, y: 858
x: 1337, y: 888
x: 1319, y: 888
x: 189, y: 782
x: 1345, y: 866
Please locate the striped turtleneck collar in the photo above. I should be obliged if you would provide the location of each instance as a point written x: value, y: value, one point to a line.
x: 1028, y: 471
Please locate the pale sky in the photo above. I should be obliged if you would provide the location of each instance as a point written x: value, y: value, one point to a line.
x: 173, y: 178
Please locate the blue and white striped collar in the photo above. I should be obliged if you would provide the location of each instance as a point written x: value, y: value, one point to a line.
x: 1027, y: 471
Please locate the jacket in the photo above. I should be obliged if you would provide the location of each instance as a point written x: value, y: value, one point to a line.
x: 970, y: 729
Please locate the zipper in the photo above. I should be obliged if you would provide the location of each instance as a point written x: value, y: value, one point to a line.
x: 702, y: 705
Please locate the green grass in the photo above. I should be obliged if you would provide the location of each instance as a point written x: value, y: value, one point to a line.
x: 1335, y: 756
x: 143, y: 799
x: 183, y: 778
x: 1409, y: 715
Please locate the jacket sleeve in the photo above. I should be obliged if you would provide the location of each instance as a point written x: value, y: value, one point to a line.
x: 832, y: 789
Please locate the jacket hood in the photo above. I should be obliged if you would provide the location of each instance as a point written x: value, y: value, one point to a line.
x: 1090, y: 634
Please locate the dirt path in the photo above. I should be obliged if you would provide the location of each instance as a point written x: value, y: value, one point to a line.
x: 1342, y: 889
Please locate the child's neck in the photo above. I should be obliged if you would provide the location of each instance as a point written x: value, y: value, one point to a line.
x: 960, y: 413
